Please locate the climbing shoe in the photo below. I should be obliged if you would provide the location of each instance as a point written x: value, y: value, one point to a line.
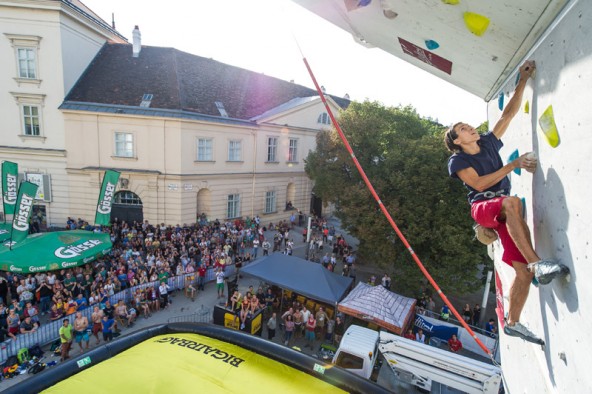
x: 520, y: 331
x: 547, y: 270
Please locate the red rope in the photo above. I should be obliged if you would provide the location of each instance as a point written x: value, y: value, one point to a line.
x: 388, y: 216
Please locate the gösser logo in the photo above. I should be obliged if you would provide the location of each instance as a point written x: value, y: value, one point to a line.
x: 105, y: 204
x: 75, y: 250
x: 11, y: 191
x: 21, y: 220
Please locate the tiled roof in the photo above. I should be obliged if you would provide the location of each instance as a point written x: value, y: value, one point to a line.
x: 181, y: 81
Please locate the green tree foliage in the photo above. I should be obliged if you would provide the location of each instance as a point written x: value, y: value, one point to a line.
x: 404, y: 157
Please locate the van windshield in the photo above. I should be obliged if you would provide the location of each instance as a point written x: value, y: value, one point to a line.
x: 349, y: 361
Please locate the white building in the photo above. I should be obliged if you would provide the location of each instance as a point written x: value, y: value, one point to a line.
x: 190, y: 135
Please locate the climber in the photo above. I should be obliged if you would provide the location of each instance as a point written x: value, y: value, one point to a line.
x: 476, y: 161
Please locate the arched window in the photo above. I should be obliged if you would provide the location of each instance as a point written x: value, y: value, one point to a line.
x: 324, y: 118
x: 127, y: 198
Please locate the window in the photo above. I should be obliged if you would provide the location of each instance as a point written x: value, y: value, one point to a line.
x: 233, y: 210
x: 234, y: 151
x: 324, y: 118
x: 270, y: 202
x: 204, y: 149
x: 293, y: 150
x: 31, y: 107
x: 127, y: 198
x: 349, y: 361
x: 124, y: 145
x: 31, y: 120
x: 26, y: 63
x: 272, y: 148
x: 25, y: 53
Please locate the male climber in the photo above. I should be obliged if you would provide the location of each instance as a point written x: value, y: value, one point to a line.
x: 476, y: 161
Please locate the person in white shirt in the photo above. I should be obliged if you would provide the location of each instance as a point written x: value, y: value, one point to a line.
x: 220, y: 282
x: 163, y: 289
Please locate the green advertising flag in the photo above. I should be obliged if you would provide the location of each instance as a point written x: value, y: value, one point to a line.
x: 24, y: 207
x: 9, y: 186
x: 103, y: 215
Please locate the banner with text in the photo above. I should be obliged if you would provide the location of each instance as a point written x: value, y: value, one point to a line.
x: 9, y: 186
x: 103, y: 215
x: 24, y: 207
x: 443, y: 331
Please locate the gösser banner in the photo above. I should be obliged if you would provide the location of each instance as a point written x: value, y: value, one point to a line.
x: 103, y: 215
x: 24, y: 207
x: 53, y: 251
x: 9, y: 186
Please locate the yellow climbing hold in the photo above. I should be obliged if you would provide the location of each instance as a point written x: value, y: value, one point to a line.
x: 547, y: 123
x: 477, y: 24
x: 451, y: 2
x: 526, y: 107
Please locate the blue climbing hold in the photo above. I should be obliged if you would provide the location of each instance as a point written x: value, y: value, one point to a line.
x: 500, y: 101
x: 523, y: 200
x: 513, y: 157
x: 431, y: 45
x: 517, y: 79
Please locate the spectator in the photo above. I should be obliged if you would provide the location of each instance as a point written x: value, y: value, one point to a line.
x: 491, y: 327
x: 309, y: 330
x: 220, y: 278
x: 27, y: 326
x: 271, y: 326
x: 66, y: 339
x: 339, y: 329
x: 467, y: 314
x: 289, y: 329
x: 454, y: 344
x: 97, y: 319
x: 410, y: 335
x: 386, y: 281
x: 444, y: 313
x: 125, y: 314
x: 163, y: 290
x: 476, y: 314
x: 32, y: 312
x: 420, y: 336
x: 80, y: 330
x: 13, y: 322
x: 107, y: 326
x: 321, y: 318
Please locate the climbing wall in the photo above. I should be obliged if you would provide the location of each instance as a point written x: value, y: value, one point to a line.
x: 555, y: 122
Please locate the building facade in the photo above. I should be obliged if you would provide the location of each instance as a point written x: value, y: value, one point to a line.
x: 189, y: 135
x: 45, y: 46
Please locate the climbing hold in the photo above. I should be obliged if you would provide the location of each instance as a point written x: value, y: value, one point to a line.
x: 513, y: 157
x: 549, y: 128
x: 431, y: 45
x: 526, y: 107
x: 451, y: 2
x: 523, y: 201
x: 517, y: 79
x: 500, y: 101
x: 477, y: 24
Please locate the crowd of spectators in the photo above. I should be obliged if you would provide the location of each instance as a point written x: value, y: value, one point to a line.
x: 142, y: 253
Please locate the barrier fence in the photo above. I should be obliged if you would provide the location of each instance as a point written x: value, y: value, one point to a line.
x: 49, y: 332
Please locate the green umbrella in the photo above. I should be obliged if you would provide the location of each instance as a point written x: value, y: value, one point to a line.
x: 5, y: 231
x: 53, y: 251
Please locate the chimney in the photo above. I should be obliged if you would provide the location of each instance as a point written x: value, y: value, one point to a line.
x: 137, y: 41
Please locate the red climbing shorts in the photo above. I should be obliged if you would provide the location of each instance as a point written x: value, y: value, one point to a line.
x: 486, y: 213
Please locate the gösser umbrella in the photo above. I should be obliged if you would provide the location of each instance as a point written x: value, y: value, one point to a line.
x: 53, y: 251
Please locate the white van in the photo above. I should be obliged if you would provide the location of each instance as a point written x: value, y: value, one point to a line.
x: 358, y: 351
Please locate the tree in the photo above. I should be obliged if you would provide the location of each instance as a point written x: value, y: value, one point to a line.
x: 404, y: 157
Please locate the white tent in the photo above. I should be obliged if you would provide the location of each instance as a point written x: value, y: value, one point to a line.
x: 378, y: 305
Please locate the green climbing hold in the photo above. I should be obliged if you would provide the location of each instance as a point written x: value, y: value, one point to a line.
x: 451, y: 2
x: 526, y: 107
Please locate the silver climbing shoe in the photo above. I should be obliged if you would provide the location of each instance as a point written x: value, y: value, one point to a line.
x: 547, y: 270
x: 520, y: 331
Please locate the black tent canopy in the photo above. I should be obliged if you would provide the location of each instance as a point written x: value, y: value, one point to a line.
x: 302, y: 276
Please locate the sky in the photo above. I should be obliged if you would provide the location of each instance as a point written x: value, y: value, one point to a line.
x: 267, y: 36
